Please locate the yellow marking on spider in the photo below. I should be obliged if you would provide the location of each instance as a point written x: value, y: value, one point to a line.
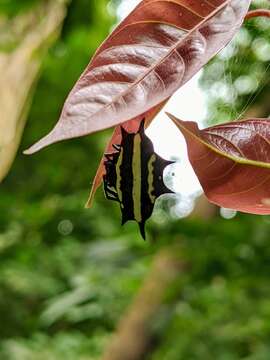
x: 136, y: 171
x: 150, y: 178
x: 118, y: 175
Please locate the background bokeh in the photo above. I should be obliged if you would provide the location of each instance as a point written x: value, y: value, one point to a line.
x: 69, y: 274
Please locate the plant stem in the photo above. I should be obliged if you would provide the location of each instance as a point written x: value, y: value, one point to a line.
x: 257, y: 13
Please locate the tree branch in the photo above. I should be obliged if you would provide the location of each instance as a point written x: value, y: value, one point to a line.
x: 19, y: 70
x: 134, y: 330
x: 257, y: 13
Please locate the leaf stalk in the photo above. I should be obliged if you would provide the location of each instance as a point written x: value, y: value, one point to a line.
x: 257, y: 13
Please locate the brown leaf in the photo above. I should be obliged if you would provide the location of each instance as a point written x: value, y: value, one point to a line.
x: 232, y: 162
x: 152, y: 53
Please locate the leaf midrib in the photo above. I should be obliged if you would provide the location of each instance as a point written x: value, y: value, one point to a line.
x: 238, y: 160
x: 211, y: 15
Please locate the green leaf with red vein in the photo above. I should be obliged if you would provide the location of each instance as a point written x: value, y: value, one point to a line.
x: 152, y: 53
x: 232, y: 162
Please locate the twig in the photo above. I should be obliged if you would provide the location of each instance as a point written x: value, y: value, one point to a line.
x: 257, y: 13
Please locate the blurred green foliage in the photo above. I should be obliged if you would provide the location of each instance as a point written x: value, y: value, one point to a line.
x: 67, y: 274
x: 11, y: 8
x: 239, y: 77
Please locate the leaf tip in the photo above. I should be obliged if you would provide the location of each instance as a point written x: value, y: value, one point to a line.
x: 53, y: 137
x: 27, y: 152
x: 172, y: 117
x: 36, y: 147
x: 89, y: 203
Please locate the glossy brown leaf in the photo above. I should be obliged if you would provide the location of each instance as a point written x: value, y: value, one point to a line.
x: 152, y: 53
x: 232, y: 162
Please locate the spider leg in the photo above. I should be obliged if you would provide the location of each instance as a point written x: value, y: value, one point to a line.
x: 112, y: 192
x: 111, y: 197
x: 109, y: 193
x: 116, y: 147
x: 109, y: 156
